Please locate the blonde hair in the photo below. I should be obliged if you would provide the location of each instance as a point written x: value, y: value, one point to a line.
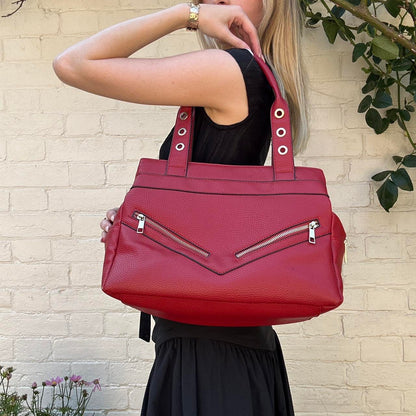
x: 280, y: 34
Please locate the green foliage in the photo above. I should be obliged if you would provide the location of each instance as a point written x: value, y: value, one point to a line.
x: 388, y: 51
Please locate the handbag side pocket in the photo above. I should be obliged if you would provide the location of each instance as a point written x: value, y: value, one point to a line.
x: 338, y: 237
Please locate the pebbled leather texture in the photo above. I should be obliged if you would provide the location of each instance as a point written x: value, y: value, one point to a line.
x: 226, y: 245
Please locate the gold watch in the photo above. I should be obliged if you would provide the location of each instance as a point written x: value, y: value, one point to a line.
x: 193, y: 20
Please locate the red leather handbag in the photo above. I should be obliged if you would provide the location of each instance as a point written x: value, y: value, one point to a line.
x: 227, y: 245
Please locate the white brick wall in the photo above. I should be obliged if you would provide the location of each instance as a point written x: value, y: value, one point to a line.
x: 66, y: 156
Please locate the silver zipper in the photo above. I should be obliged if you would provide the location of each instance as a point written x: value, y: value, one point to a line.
x: 311, y: 226
x: 142, y: 220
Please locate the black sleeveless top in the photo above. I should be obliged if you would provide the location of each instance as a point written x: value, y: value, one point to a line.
x: 243, y: 143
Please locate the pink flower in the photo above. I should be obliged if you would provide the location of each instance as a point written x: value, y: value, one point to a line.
x: 75, y: 379
x: 54, y: 381
x: 97, y: 385
x: 34, y: 385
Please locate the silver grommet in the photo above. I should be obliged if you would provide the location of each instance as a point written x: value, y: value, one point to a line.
x: 179, y: 147
x: 279, y: 113
x: 281, y: 132
x: 282, y: 150
x: 183, y: 115
x: 182, y: 131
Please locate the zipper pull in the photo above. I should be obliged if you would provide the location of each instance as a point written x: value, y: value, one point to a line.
x: 140, y: 226
x: 345, y: 252
x: 312, y: 226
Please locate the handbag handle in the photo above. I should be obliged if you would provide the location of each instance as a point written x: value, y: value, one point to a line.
x: 282, y: 147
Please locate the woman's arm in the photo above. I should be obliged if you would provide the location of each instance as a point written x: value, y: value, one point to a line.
x: 211, y: 78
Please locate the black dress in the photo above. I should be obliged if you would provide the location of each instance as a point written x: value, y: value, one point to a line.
x: 221, y: 371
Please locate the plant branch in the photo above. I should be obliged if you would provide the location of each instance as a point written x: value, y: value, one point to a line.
x: 361, y: 11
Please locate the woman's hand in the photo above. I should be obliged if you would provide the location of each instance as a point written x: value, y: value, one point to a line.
x: 107, y: 222
x: 230, y: 25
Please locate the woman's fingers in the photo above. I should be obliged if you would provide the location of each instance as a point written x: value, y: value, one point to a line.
x: 111, y: 214
x: 107, y: 222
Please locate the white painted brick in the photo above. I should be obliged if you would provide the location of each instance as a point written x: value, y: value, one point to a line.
x: 412, y: 299
x: 327, y: 324
x: 409, y: 349
x: 334, y: 143
x: 325, y: 119
x: 87, y: 174
x: 81, y: 4
x: 334, y: 169
x: 42, y: 371
x: 140, y: 350
x: 32, y: 349
x: 15, y: 174
x: 384, y: 247
x: 5, y: 299
x: 30, y: 23
x: 52, y: 46
x: 374, y: 222
x: 28, y: 199
x: 34, y: 124
x: 387, y: 299
x: 390, y: 375
x: 121, y: 173
x: 411, y: 246
x: 79, y: 22
x: 136, y: 397
x: 31, y: 250
x: 391, y: 142
x: 379, y: 274
x: 31, y: 74
x: 85, y: 199
x: 135, y: 149
x: 4, y: 200
x: 333, y: 93
x: 26, y: 149
x: 98, y: 149
x: 107, y: 18
x: 21, y: 324
x: 77, y: 250
x: 87, y: 225
x: 362, y: 170
x: 86, y: 274
x: 326, y: 400
x: 22, y: 99
x: 384, y: 400
x: 5, y: 251
x: 76, y: 300
x: 381, y: 349
x: 310, y: 373
x: 129, y: 373
x: 373, y: 324
x: 89, y: 349
x: 320, y: 348
x: 2, y: 148
x: 351, y: 70
x: 6, y: 349
x: 114, y: 398
x: 82, y: 124
x: 31, y: 300
x: 21, y: 49
x: 86, y: 324
x: 44, y: 225
x: 354, y: 300
x: 410, y: 400
x: 346, y: 195
x: 121, y: 324
x: 19, y: 275
x: 325, y: 67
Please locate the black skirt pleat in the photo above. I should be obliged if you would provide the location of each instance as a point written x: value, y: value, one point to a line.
x: 203, y: 377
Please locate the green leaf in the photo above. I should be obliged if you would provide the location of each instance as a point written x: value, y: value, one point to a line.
x: 362, y: 27
x: 382, y: 99
x: 371, y: 83
x: 383, y: 127
x: 409, y: 161
x: 397, y: 159
x: 354, y: 2
x: 337, y: 11
x: 381, y: 175
x: 400, y: 123
x: 314, y: 19
x: 401, y: 64
x: 405, y: 115
x: 331, y: 29
x: 373, y: 118
x: 387, y: 194
x: 371, y: 31
x: 402, y: 179
x: 410, y: 108
x: 384, y: 48
x: 393, y: 7
x: 392, y: 114
x: 359, y: 50
x: 365, y: 104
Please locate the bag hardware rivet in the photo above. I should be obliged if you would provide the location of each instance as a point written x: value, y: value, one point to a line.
x: 182, y: 131
x: 179, y: 147
x: 282, y: 150
x: 281, y: 132
x: 183, y: 115
x: 279, y: 113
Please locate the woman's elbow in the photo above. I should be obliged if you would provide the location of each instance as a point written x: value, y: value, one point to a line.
x: 65, y: 69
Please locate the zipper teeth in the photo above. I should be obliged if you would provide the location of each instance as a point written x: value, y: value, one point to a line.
x: 273, y: 239
x: 177, y: 239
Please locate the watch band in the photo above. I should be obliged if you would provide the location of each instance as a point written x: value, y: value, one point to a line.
x: 193, y: 20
